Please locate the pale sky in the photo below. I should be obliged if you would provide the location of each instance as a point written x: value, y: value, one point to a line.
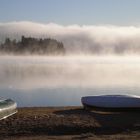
x: 67, y: 12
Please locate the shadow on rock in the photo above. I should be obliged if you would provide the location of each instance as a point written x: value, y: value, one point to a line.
x: 104, y: 122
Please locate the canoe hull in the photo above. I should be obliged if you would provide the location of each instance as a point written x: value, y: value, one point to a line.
x: 7, y: 108
x: 112, y: 103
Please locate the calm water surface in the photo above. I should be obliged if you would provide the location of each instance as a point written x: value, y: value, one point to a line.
x: 62, y: 81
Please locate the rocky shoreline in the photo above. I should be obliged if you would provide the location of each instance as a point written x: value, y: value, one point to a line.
x: 69, y: 123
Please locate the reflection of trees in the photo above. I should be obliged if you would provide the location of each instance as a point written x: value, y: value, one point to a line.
x: 33, y: 46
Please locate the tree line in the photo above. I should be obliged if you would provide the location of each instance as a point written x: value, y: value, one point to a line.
x: 32, y: 46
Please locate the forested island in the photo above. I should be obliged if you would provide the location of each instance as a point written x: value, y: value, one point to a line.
x: 30, y: 45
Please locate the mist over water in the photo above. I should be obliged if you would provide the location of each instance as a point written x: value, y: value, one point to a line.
x: 31, y: 72
x: 99, y: 59
x: 63, y: 80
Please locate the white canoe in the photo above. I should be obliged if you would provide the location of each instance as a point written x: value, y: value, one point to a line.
x: 112, y: 102
x: 7, y: 108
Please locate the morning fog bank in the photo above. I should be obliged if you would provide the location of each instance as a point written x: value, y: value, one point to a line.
x: 85, y: 39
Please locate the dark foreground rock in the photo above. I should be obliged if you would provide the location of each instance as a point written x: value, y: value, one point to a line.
x: 70, y: 123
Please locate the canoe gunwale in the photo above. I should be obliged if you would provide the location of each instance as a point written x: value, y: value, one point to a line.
x: 6, y: 116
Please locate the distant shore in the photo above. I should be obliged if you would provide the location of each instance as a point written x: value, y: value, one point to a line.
x: 70, y: 123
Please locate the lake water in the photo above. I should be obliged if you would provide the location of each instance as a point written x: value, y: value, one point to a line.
x: 62, y: 81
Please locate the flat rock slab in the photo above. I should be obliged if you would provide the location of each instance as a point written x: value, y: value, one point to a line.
x: 68, y: 121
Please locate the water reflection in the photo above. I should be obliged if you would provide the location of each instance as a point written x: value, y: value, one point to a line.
x: 59, y: 96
